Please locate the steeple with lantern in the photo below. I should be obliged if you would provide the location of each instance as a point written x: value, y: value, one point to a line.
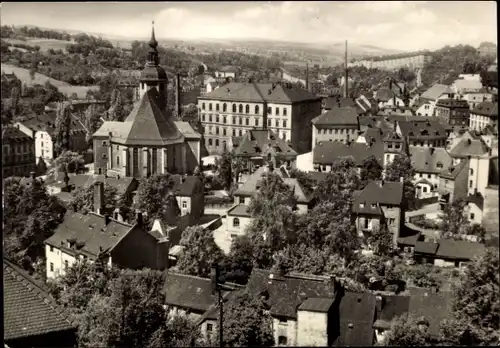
x: 153, y: 75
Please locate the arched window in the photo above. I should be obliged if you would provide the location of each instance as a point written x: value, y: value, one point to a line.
x: 256, y: 109
x: 236, y: 222
x: 210, y: 107
x: 203, y: 106
x: 234, y: 107
x: 247, y: 109
x: 240, y: 109
x: 224, y: 107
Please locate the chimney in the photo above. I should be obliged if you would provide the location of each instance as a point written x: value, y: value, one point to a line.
x: 107, y: 219
x: 138, y: 218
x: 379, y: 303
x: 178, y: 96
x: 214, y: 277
x: 381, y: 183
x: 33, y: 175
x: 163, y: 253
x: 346, y: 75
x: 99, y: 197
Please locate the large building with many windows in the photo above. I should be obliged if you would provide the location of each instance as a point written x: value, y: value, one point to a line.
x: 18, y: 153
x: 235, y: 108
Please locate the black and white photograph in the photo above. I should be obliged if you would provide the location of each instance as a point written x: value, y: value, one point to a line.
x: 250, y: 174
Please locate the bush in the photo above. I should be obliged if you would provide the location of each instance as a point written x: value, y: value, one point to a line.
x: 218, y: 200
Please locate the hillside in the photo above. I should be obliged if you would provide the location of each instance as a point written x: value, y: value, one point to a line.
x: 44, y: 44
x: 63, y: 87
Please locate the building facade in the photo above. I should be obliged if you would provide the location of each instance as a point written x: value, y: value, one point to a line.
x: 235, y: 108
x: 18, y: 153
x: 483, y: 115
x: 454, y: 112
x: 338, y: 124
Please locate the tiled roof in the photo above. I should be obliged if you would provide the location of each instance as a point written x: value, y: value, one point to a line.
x: 298, y: 191
x: 122, y: 185
x: 434, y: 307
x: 187, y: 130
x: 468, y: 84
x: 240, y: 210
x: 459, y: 249
x: 357, y: 314
x: 477, y: 199
x: 258, y: 142
x: 286, y: 294
x: 392, y: 306
x: 320, y: 305
x: 452, y: 171
x: 91, y: 231
x: 384, y: 94
x: 373, y: 135
x: 436, y: 91
x: 29, y: 310
x: 329, y: 151
x: 486, y: 109
x: 422, y: 130
x: 469, y: 147
x: 429, y: 159
x: 259, y: 92
x: 13, y: 134
x: 185, y: 186
x: 333, y: 102
x: 426, y: 247
x: 347, y: 116
x: 149, y: 124
x: 190, y: 292
x: 378, y: 193
x: 453, y: 103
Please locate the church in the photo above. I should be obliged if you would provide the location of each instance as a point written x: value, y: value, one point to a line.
x: 150, y: 141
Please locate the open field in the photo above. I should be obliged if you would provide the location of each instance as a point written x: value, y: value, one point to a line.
x: 45, y: 44
x: 63, y: 87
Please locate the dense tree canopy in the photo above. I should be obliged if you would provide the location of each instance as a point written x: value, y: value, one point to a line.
x: 454, y: 221
x: 406, y: 332
x: 370, y: 170
x: 83, y: 198
x: 401, y: 167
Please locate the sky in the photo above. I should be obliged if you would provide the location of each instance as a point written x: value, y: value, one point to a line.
x: 402, y: 25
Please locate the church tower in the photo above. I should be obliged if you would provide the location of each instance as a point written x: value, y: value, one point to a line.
x: 153, y: 74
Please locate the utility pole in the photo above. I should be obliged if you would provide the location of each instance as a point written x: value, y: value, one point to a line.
x: 217, y: 287
x: 346, y: 75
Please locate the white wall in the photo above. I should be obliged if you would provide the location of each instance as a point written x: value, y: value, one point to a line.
x: 57, y: 258
x: 478, y: 175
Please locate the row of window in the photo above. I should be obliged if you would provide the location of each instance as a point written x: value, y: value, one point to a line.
x: 217, y: 142
x: 239, y: 120
x: 240, y: 107
x: 16, y: 148
x: 224, y: 131
x: 337, y: 131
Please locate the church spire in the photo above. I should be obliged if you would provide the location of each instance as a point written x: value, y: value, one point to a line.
x: 153, y: 52
x: 153, y: 43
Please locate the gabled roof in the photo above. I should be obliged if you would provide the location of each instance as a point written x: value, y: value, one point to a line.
x: 346, y: 116
x: 384, y: 94
x: 426, y: 247
x: 259, y: 92
x: 393, y: 306
x: 259, y: 142
x: 372, y: 135
x: 185, y: 186
x: 436, y: 91
x: 378, y: 193
x: 328, y: 152
x: 239, y: 210
x: 422, y: 130
x: 453, y: 103
x: 476, y: 199
x: 187, y: 130
x: 469, y: 147
x: 122, y: 185
x: 89, y: 229
x: 29, y: 310
x: 288, y: 293
x: 459, y: 249
x: 452, y: 171
x: 486, y: 109
x: 434, y: 307
x: 429, y: 159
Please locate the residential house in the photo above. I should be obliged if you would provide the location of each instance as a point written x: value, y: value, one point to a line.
x: 476, y: 98
x: 190, y: 196
x: 235, y: 108
x: 453, y: 112
x: 379, y: 202
x: 483, y: 115
x: 260, y: 146
x: 338, y: 124
x: 226, y: 72
x: 41, y: 129
x: 463, y: 86
x: 32, y: 318
x: 60, y: 183
x: 389, y: 307
x: 387, y: 98
x: 423, y: 133
x: 100, y: 238
x: 325, y: 153
x: 149, y: 141
x: 18, y: 153
x: 490, y: 209
x: 475, y: 207
x: 450, y: 253
x: 428, y: 99
x: 394, y: 145
x: 428, y: 163
x: 453, y: 183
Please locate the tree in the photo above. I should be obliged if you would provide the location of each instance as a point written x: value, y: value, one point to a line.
x: 453, y: 220
x: 92, y: 122
x: 83, y: 198
x: 156, y: 198
x: 381, y: 240
x: 370, y: 170
x: 200, y: 252
x: 63, y: 128
x: 304, y: 179
x: 401, y: 167
x: 478, y: 231
x: 69, y: 161
x: 237, y: 266
x: 247, y: 323
x: 190, y: 113
x: 224, y: 169
x: 406, y: 332
x: 117, y: 109
x: 340, y: 183
x: 177, y: 331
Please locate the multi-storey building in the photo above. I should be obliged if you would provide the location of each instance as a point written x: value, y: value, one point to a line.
x: 18, y: 153
x: 483, y: 115
x: 150, y: 140
x: 453, y: 183
x: 427, y: 101
x: 411, y: 60
x: 422, y: 133
x: 428, y: 163
x: 231, y: 110
x: 476, y: 98
x: 453, y: 112
x: 338, y: 124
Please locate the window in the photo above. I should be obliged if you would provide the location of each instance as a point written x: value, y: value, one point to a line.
x: 104, y: 143
x: 282, y: 340
x: 224, y: 119
x: 470, y: 183
x: 224, y: 131
x: 256, y: 121
x: 66, y: 265
x: 224, y: 107
x: 284, y: 136
x: 216, y: 130
x: 52, y: 267
x: 241, y: 133
x: 257, y: 109
x: 203, y: 117
x: 236, y: 222
x: 117, y: 160
x: 419, y: 175
x: 184, y: 204
x: 247, y: 121
x: 210, y: 327
x: 284, y: 111
x: 240, y: 108
x: 277, y: 111
x: 472, y: 216
x: 217, y: 118
x: 216, y: 107
x: 154, y: 160
x: 429, y: 176
x: 234, y: 132
x: 367, y: 223
x: 209, y: 142
x: 277, y: 123
x: 268, y: 122
x: 234, y: 107
x: 247, y: 109
x: 216, y: 142
x: 240, y: 121
x: 391, y: 221
x: 284, y: 123
x: 336, y: 131
x: 269, y: 111
x: 210, y: 118
x: 210, y: 107
x: 471, y: 171
x: 234, y: 119
x: 203, y: 106
x: 424, y: 189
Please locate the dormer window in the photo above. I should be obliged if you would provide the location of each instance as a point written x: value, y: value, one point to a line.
x: 373, y: 205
